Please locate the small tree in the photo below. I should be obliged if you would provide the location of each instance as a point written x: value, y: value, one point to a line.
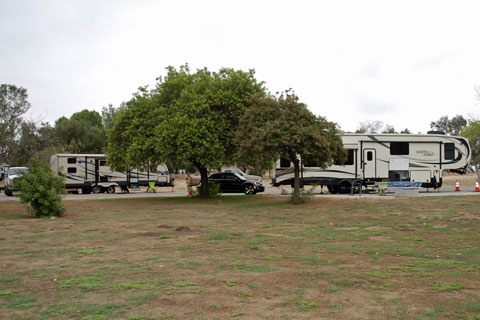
x: 284, y: 128
x: 370, y: 126
x: 451, y: 126
x: 472, y: 133
x: 13, y: 105
x: 40, y: 190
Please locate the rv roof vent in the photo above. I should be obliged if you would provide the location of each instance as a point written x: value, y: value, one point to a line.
x: 436, y: 132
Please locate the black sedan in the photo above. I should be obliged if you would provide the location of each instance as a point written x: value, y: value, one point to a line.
x: 233, y: 182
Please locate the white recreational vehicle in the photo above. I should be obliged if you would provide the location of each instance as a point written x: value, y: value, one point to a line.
x: 416, y: 158
x: 91, y: 173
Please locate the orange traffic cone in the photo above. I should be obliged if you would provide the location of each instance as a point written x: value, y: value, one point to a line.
x: 457, y: 186
x: 477, y: 188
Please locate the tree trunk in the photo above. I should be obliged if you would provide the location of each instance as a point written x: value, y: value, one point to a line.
x: 296, y: 181
x: 204, y: 182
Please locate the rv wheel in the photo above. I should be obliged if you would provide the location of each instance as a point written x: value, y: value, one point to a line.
x: 111, y: 189
x: 345, y: 187
x: 357, y: 187
x: 97, y: 189
x: 8, y: 193
x: 333, y: 189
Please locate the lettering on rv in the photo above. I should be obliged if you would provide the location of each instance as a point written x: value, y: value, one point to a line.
x: 425, y: 153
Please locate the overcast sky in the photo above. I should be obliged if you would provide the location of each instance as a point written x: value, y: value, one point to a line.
x: 405, y: 63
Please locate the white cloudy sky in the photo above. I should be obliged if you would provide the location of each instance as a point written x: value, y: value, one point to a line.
x: 405, y: 63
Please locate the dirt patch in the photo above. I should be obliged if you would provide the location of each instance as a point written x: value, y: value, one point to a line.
x: 183, y: 229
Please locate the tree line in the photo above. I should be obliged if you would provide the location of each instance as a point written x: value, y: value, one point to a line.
x: 204, y: 119
x: 21, y: 139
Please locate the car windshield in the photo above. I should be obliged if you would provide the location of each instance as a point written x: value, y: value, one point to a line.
x: 17, y: 171
x: 239, y: 176
x: 237, y: 171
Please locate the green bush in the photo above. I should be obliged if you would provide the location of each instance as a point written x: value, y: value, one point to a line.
x: 302, y: 195
x: 213, y: 190
x: 40, y: 189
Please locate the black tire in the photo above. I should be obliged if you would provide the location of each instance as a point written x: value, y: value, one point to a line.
x: 345, y: 187
x: 249, y: 190
x: 86, y: 190
x: 8, y: 193
x: 111, y: 189
x: 357, y: 187
x: 333, y: 189
x: 97, y: 189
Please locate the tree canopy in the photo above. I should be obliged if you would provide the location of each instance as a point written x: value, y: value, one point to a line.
x: 83, y: 132
x: 450, y: 126
x: 13, y: 105
x: 472, y: 133
x: 283, y: 127
x: 188, y: 118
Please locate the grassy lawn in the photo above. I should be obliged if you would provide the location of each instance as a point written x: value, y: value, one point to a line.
x: 243, y: 257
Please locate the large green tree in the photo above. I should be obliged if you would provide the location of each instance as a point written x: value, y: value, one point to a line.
x: 131, y: 140
x: 188, y: 118
x: 283, y: 127
x: 83, y: 132
x: 13, y: 105
x: 34, y: 140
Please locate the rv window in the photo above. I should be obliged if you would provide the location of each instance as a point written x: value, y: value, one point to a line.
x: 449, y: 149
x: 369, y: 156
x: 72, y: 170
x: 103, y: 163
x: 284, y: 163
x: 310, y: 162
x: 399, y: 148
x: 350, y: 157
x: 71, y: 160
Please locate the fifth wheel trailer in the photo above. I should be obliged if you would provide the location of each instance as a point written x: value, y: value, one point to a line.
x: 418, y: 158
x: 91, y: 173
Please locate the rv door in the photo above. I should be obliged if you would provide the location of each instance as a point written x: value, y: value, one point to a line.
x: 369, y: 163
x: 90, y: 170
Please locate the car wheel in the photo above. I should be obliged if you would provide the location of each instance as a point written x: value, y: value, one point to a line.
x: 249, y: 190
x: 111, y: 189
x: 97, y: 189
x: 8, y: 193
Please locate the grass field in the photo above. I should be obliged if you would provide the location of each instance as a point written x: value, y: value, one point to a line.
x: 243, y: 257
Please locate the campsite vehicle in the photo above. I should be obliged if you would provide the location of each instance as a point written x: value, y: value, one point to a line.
x: 3, y: 169
x: 195, y: 179
x: 91, y: 173
x: 233, y: 182
x: 416, y: 158
x: 11, y: 174
x: 243, y: 174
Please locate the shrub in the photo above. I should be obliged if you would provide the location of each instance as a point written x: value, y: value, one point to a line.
x: 40, y: 189
x: 213, y: 190
x: 302, y: 195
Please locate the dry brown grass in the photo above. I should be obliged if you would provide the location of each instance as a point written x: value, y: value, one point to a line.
x: 243, y: 257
